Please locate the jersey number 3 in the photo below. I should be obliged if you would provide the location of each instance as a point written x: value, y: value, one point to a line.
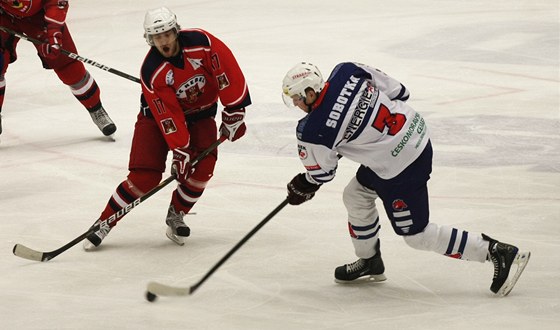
x: 384, y: 118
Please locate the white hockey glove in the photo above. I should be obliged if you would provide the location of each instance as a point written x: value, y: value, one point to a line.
x: 233, y: 125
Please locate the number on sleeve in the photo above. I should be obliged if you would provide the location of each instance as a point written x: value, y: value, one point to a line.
x: 159, y: 106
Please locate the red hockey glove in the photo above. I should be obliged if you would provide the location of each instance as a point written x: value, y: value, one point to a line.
x: 233, y: 126
x: 300, y: 190
x: 181, y: 166
x: 51, y: 50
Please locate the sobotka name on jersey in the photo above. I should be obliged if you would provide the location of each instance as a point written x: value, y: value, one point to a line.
x: 341, y: 101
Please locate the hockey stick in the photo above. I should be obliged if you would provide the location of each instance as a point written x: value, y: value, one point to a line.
x: 155, y: 288
x: 23, y: 251
x: 73, y: 55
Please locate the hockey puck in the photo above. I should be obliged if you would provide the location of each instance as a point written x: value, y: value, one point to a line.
x: 150, y: 296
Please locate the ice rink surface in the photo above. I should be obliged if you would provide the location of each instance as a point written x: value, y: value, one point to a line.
x: 485, y: 74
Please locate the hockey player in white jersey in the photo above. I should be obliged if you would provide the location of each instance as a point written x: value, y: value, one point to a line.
x: 361, y: 114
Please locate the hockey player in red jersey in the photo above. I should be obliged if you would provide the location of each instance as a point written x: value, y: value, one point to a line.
x: 361, y: 114
x: 45, y: 20
x: 183, y: 75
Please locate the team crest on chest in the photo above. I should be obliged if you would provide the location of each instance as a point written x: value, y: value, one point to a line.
x: 190, y: 90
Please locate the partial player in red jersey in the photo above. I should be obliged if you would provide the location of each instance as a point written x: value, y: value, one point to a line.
x: 183, y: 75
x: 45, y: 20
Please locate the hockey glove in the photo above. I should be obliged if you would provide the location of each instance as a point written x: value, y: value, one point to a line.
x: 300, y: 190
x: 51, y: 50
x: 181, y: 166
x: 233, y: 126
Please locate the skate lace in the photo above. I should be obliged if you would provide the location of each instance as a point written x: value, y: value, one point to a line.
x: 355, y: 266
x: 496, y: 265
x: 494, y: 256
x: 104, y: 230
x: 176, y: 221
x: 101, y: 118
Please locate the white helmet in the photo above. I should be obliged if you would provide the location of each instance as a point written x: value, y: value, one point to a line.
x: 157, y: 21
x: 298, y: 79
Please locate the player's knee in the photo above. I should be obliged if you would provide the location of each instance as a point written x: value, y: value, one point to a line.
x: 144, y: 180
x: 423, y: 240
x: 348, y: 194
x: 355, y: 194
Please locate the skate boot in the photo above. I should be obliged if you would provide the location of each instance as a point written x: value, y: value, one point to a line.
x: 94, y: 239
x: 503, y: 256
x: 370, y: 270
x: 177, y: 230
x: 103, y: 121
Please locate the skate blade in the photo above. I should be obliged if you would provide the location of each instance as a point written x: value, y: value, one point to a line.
x: 179, y: 240
x: 521, y: 260
x: 364, y: 279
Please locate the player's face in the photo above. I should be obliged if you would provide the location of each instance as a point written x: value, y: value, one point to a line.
x: 304, y: 103
x: 166, y: 43
x: 299, y: 102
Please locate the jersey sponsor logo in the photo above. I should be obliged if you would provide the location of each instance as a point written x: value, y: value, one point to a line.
x: 359, y: 113
x: 341, y: 101
x: 190, y: 90
x: 417, y: 125
x: 168, y: 126
x: 302, y: 152
x: 223, y: 81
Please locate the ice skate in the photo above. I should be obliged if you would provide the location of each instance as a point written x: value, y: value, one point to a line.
x: 94, y: 239
x: 103, y: 121
x: 177, y: 230
x: 362, y: 270
x: 503, y: 256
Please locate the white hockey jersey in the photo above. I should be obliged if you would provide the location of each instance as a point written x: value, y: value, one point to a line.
x: 361, y: 114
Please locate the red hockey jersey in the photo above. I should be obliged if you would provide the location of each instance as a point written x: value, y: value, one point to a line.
x: 54, y: 10
x: 190, y: 83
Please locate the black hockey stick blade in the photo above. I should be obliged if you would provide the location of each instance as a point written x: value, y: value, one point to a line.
x: 23, y: 251
x: 73, y: 55
x: 154, y: 288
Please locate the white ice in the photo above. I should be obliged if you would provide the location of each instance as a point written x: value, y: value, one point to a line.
x: 485, y: 74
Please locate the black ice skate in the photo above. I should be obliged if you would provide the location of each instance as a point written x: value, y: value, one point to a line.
x: 177, y: 230
x: 503, y: 256
x: 103, y: 121
x: 369, y: 270
x: 94, y: 239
